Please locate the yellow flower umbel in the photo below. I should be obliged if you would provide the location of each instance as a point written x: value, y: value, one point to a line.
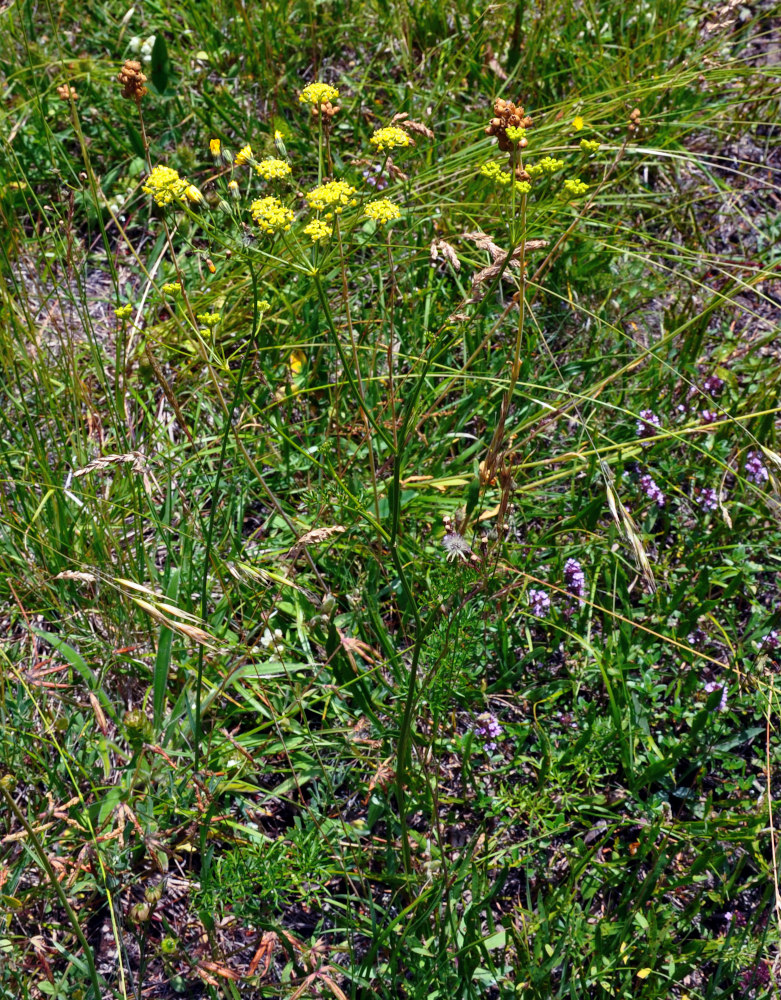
x: 389, y: 138
x: 244, y: 155
x: 494, y: 173
x: 334, y: 195
x: 589, y: 145
x: 575, y: 186
x: 210, y: 319
x: 123, y: 312
x: 271, y: 215
x: 318, y: 94
x: 516, y: 133
x: 545, y: 166
x: 272, y: 169
x: 382, y: 211
x: 171, y: 288
x: 317, y: 230
x: 165, y: 185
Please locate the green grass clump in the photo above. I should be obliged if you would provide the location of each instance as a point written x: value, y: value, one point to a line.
x: 389, y: 502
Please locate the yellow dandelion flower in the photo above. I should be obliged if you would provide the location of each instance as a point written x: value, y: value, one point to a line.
x: 165, y: 185
x: 382, y: 211
x: 278, y: 137
x: 244, y: 155
x: 193, y: 195
x: 389, y: 138
x: 272, y: 169
x: 318, y: 230
x: 318, y: 94
x: 578, y: 123
x: 233, y: 187
x: 215, y: 147
x: 333, y: 194
x: 271, y: 215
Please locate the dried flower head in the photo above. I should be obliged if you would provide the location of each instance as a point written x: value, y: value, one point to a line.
x: 271, y: 215
x: 456, y: 547
x: 331, y: 195
x: 507, y: 114
x: 165, y: 185
x: 67, y: 93
x: 382, y: 211
x: 389, y: 138
x: 317, y: 230
x: 132, y: 80
x: 272, y: 169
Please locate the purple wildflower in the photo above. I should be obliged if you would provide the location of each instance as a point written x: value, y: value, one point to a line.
x: 374, y: 178
x: 648, y: 424
x: 539, y: 602
x: 574, y: 578
x: 651, y: 490
x: 771, y: 641
x: 755, y: 976
x: 713, y: 385
x: 488, y: 725
x: 755, y: 469
x: 708, y: 416
x: 707, y: 498
x: 712, y: 686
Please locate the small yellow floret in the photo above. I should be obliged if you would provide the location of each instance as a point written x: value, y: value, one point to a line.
x: 271, y: 215
x: 272, y: 169
x: 210, y: 319
x: 318, y: 94
x: 244, y: 155
x: 123, y: 312
x: 575, y: 186
x: 589, y: 145
x: 333, y: 194
x: 577, y: 123
x: 171, y: 288
x: 318, y: 230
x: 165, y: 185
x: 389, y: 138
x: 523, y: 187
x: 382, y: 211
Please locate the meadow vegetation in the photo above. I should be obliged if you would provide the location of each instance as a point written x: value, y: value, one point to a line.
x: 389, y: 501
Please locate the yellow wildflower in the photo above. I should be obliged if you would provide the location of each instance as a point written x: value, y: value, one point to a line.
x: 272, y: 169
x: 264, y: 305
x: 210, y: 319
x: 577, y: 123
x: 318, y: 94
x: 333, y: 194
x: 192, y: 194
x: 494, y: 173
x: 545, y: 166
x: 515, y: 133
x: 589, y: 145
x: 244, y: 155
x: 215, y: 147
x: 165, y: 185
x: 278, y: 136
x: 389, y: 138
x: 575, y: 186
x: 318, y: 230
x: 233, y: 187
x: 271, y: 215
x: 381, y: 211
x: 123, y: 312
x: 171, y: 288
x: 523, y: 187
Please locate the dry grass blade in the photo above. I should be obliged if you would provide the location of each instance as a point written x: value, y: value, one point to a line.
x: 443, y: 248
x: 628, y: 528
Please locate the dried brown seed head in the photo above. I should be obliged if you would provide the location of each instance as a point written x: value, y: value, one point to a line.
x: 132, y: 80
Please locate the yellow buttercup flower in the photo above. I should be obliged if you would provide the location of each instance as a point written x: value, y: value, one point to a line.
x: 165, y: 185
x: 271, y: 215
x: 382, y: 211
x: 333, y: 194
x: 272, y: 169
x: 390, y: 138
x: 318, y: 94
x: 318, y: 230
